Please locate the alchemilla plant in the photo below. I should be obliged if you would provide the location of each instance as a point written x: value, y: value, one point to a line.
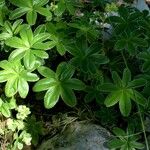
x: 58, y: 55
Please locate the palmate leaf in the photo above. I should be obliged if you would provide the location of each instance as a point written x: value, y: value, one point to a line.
x: 130, y: 42
x: 6, y: 105
x: 65, y: 5
x: 29, y: 47
x: 125, y: 21
x: 3, y: 12
x: 58, y: 84
x: 124, y: 141
x: 85, y: 29
x: 17, y: 78
x: 30, y: 8
x: 123, y: 91
x: 8, y: 29
x: 58, y: 39
x: 93, y: 94
x: 5, y: 110
x: 88, y: 59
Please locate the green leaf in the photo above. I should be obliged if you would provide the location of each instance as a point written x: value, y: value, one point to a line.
x: 41, y: 3
x: 61, y: 8
x: 60, y: 48
x: 42, y: 46
x: 44, y: 84
x: 113, y: 98
x: 11, y: 87
x: 41, y: 54
x: 125, y: 104
x: 137, y: 145
x: 31, y: 17
x: 4, y: 76
x: 8, y: 27
x: 5, y: 36
x: 40, y: 37
x: 46, y: 72
x: 12, y: 103
x: 26, y: 36
x: 119, y: 132
x: 1, y: 102
x: 29, y: 60
x: 70, y: 8
x: 51, y: 97
x: 74, y: 84
x: 5, y: 64
x: 126, y: 76
x: 30, y: 47
x: 68, y: 96
x: 5, y: 110
x: 17, y: 54
x: 16, y: 25
x: 136, y: 83
x: 61, y: 82
x: 43, y: 11
x: 31, y: 77
x: 88, y: 59
x: 40, y: 29
x: 120, y: 44
x: 115, y: 19
x: 16, y: 77
x: 115, y: 144
x: 116, y: 79
x: 138, y: 98
x: 23, y: 87
x: 15, y: 42
x: 17, y: 13
x: 107, y: 87
x: 22, y: 3
x: 64, y: 71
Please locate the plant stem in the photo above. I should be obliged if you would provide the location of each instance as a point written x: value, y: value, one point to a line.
x: 142, y: 124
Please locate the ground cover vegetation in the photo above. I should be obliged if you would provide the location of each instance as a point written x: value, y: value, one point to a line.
x: 89, y: 59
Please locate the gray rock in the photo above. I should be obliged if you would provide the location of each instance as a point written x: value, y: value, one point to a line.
x: 140, y: 5
x: 78, y: 136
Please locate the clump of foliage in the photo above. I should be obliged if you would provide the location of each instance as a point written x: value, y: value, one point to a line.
x: 92, y: 52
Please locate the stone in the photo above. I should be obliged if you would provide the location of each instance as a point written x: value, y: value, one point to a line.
x: 78, y: 136
x: 141, y: 5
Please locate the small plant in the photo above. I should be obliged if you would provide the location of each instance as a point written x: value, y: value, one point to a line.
x: 9, y: 30
x: 58, y: 84
x: 76, y: 51
x: 88, y: 59
x: 125, y: 140
x: 123, y: 91
x: 14, y: 128
x: 30, y: 8
x: 16, y: 77
x: 6, y: 106
x: 29, y: 47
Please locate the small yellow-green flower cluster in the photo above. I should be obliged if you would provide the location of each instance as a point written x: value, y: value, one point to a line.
x: 23, y: 112
x: 111, y: 7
